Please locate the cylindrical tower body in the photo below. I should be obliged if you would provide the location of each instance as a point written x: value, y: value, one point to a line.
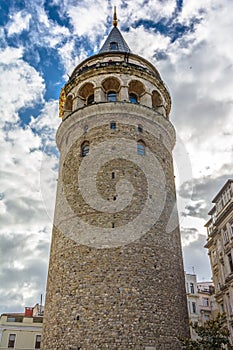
x: 116, y: 278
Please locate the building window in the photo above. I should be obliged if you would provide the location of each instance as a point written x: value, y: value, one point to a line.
x: 114, y: 46
x: 205, y: 301
x: 141, y: 148
x: 38, y: 341
x: 133, y: 98
x: 193, y: 307
x: 111, y: 96
x: 113, y: 125
x: 207, y: 317
x: 222, y: 308
x: 90, y: 99
x: 140, y: 128
x: 231, y: 225
x: 113, y: 225
x: 85, y: 149
x: 192, y: 288
x: 225, y: 235
x: 113, y: 175
x: 230, y: 262
x: 11, y: 340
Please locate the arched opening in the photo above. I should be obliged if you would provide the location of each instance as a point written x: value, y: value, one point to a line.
x: 133, y: 98
x: 114, y: 46
x: 85, y: 148
x: 69, y: 103
x: 136, y: 90
x: 157, y: 100
x: 139, y: 128
x: 111, y: 87
x: 141, y: 148
x: 90, y: 99
x: 86, y: 93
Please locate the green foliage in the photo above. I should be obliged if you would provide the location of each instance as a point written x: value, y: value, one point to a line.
x: 213, y: 335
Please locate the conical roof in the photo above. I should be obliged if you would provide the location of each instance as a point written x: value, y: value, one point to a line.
x: 115, y: 42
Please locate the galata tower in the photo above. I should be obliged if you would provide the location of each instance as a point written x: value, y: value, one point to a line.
x: 116, y: 278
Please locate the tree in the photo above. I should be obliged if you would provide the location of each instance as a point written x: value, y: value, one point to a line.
x: 212, y: 335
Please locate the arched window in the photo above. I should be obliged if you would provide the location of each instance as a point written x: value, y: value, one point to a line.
x: 86, y: 93
x: 140, y: 128
x: 133, y: 98
x: 156, y: 99
x: 136, y: 91
x: 90, y: 99
x: 114, y: 46
x: 111, y: 96
x: 141, y: 148
x: 111, y: 87
x: 85, y: 148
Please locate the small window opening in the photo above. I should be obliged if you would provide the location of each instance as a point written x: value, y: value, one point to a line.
x: 114, y: 198
x: 90, y: 99
x: 112, y: 96
x: 113, y: 125
x: 114, y: 46
x: 85, y: 148
x: 230, y: 262
x: 140, y: 148
x: 113, y: 225
x: 113, y: 175
x: 193, y: 307
x: 11, y: 340
x: 140, y: 128
x: 133, y: 98
x: 38, y: 341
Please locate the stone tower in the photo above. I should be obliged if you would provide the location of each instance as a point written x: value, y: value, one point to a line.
x: 116, y: 277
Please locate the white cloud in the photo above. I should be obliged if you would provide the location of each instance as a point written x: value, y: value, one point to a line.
x: 21, y: 85
x: 19, y: 21
x: 144, y: 42
x: 88, y: 18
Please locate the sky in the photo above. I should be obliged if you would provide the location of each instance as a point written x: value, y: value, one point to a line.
x: 41, y: 42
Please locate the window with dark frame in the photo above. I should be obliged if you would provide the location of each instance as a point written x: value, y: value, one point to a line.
x: 114, y: 46
x: 85, y: 148
x: 11, y: 341
x: 140, y: 128
x: 194, y: 307
x: 38, y: 341
x: 113, y: 125
x: 192, y: 288
x: 230, y: 262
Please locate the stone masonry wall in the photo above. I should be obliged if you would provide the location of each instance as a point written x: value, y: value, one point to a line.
x: 129, y: 296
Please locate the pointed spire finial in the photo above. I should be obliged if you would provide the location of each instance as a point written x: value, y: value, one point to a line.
x: 115, y: 21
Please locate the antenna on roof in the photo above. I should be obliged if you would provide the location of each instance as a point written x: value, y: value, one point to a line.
x: 115, y: 21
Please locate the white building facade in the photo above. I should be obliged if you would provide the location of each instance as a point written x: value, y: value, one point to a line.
x: 220, y: 246
x: 21, y: 331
